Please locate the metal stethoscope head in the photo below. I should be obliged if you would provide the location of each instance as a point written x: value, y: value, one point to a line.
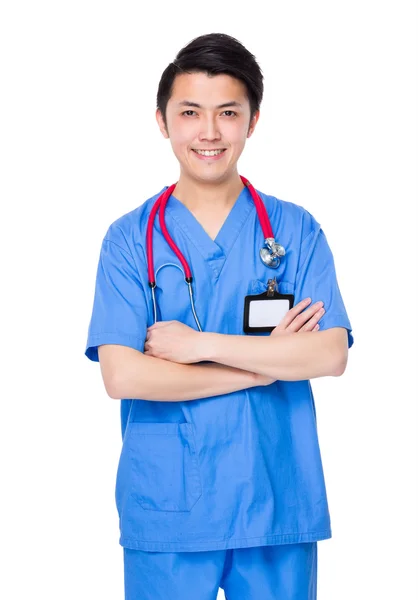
x: 270, y: 255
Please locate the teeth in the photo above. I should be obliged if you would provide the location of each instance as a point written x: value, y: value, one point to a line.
x: 209, y: 152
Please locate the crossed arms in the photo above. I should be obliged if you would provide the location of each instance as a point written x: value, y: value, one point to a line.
x: 169, y: 369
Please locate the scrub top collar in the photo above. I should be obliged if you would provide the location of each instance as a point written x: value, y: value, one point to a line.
x: 226, y: 237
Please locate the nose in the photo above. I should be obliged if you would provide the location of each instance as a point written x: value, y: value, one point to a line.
x: 209, y: 129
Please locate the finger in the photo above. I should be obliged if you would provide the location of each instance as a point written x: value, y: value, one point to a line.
x: 293, y: 312
x: 307, y: 320
x: 313, y: 320
x: 307, y: 314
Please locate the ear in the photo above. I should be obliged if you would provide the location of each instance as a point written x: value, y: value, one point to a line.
x: 253, y: 123
x: 161, y: 124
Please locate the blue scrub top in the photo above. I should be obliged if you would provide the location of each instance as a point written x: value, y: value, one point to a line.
x: 234, y: 470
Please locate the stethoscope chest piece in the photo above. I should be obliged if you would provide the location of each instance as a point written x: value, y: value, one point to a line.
x: 270, y: 255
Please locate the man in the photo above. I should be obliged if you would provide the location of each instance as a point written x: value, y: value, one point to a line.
x: 220, y: 482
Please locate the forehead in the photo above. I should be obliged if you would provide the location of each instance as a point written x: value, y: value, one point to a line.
x: 208, y: 90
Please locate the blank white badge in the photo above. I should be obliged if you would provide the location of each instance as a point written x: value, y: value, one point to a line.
x: 267, y: 313
x: 263, y: 314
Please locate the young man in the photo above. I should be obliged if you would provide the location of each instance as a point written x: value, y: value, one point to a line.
x: 220, y: 481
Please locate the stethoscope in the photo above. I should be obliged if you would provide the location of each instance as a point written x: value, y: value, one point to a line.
x: 270, y: 254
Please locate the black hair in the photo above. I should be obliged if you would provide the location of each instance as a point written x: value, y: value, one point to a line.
x: 214, y: 54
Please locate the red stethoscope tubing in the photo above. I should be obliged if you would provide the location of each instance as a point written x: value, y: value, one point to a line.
x: 161, y: 203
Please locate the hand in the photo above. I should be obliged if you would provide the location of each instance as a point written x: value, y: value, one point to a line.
x: 294, y: 322
x: 173, y: 341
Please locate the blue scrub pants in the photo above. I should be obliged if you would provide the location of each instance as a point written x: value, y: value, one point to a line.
x: 281, y: 572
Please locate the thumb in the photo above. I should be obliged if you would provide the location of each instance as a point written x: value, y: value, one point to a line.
x: 159, y: 324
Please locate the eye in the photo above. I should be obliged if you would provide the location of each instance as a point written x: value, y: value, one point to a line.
x: 188, y: 111
x: 231, y: 111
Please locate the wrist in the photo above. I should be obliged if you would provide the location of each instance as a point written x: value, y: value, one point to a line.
x: 209, y: 342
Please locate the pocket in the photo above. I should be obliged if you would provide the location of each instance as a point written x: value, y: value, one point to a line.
x: 286, y: 287
x: 163, y: 466
x: 257, y: 286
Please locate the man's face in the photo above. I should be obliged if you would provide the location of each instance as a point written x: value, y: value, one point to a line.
x: 207, y: 113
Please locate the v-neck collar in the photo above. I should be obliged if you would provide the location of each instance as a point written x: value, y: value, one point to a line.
x: 217, y: 249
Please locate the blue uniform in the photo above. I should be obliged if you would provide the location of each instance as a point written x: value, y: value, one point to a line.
x: 236, y: 470
x: 285, y: 571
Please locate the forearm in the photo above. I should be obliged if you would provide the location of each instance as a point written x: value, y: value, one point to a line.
x: 150, y: 378
x: 291, y: 357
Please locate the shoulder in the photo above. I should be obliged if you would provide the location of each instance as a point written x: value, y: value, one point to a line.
x: 290, y: 215
x: 129, y: 230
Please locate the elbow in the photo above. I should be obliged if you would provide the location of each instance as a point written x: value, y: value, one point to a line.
x: 119, y: 367
x: 339, y: 371
x: 340, y: 366
x: 339, y: 352
x: 112, y: 391
x: 112, y: 388
x: 110, y: 381
x: 331, y: 353
x: 118, y: 388
x: 122, y: 387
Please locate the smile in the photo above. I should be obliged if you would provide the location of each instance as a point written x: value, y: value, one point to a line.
x: 209, y: 152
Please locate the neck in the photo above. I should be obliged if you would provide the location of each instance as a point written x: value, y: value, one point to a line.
x: 201, y: 196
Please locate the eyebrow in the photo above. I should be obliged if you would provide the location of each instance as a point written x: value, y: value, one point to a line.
x: 196, y: 105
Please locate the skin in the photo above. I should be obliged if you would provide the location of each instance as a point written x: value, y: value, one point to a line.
x: 210, y: 188
x: 207, y: 184
x: 177, y: 342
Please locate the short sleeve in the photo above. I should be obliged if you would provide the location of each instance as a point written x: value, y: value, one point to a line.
x: 119, y: 314
x: 317, y: 279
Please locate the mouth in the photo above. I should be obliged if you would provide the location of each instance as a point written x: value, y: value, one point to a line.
x: 216, y: 153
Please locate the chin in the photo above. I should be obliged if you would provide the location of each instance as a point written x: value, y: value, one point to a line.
x: 213, y: 177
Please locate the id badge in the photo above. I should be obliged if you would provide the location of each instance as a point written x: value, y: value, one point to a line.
x: 263, y: 312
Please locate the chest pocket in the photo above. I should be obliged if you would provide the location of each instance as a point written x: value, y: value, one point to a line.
x: 158, y: 467
x: 257, y: 286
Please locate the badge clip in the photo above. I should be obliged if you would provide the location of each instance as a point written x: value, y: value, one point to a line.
x: 271, y: 287
x: 263, y: 312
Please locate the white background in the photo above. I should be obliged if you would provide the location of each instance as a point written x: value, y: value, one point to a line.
x: 80, y: 147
